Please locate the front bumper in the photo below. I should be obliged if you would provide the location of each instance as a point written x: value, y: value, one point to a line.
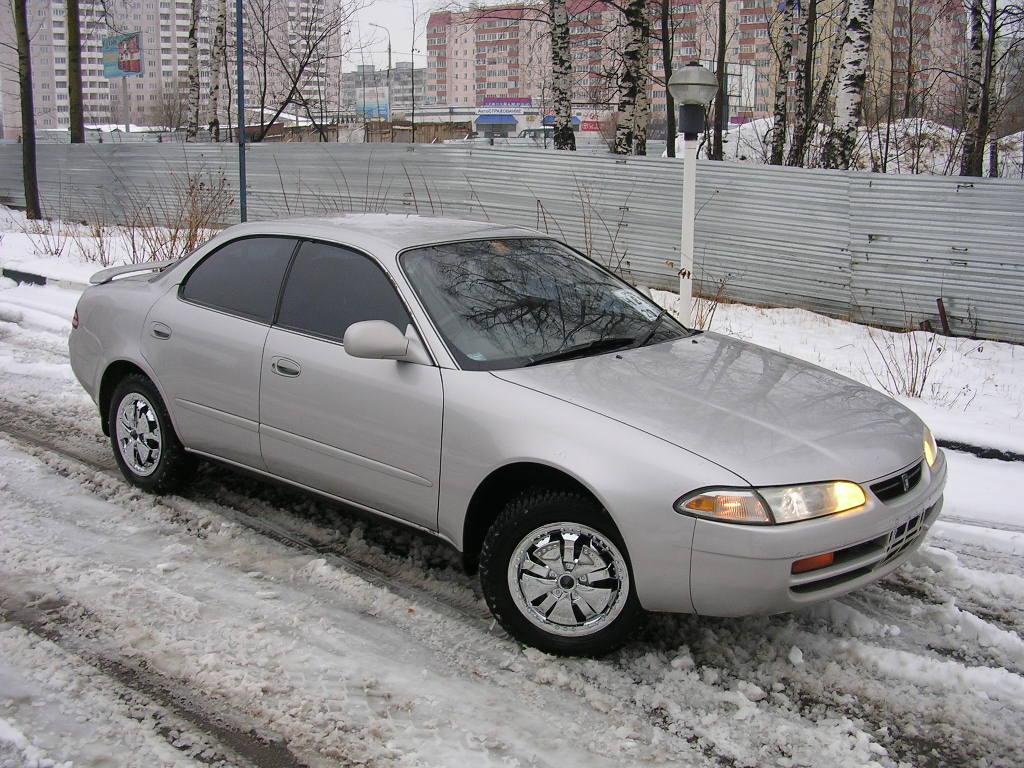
x: 740, y: 570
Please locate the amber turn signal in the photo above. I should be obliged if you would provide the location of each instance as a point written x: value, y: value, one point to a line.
x: 814, y: 563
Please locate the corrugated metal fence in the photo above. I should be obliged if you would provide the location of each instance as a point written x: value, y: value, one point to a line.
x: 873, y: 248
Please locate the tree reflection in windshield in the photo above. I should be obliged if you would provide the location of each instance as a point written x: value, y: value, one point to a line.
x: 506, y: 303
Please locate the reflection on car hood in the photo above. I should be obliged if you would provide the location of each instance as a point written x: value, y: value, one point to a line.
x: 768, y: 417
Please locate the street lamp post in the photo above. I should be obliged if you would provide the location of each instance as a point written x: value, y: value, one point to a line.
x: 692, y: 87
x: 388, y: 33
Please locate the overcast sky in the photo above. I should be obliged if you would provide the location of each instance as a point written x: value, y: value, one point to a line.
x: 397, y: 16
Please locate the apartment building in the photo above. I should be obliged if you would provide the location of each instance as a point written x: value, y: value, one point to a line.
x: 374, y: 93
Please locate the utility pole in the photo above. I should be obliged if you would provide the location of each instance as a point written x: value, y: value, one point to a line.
x: 240, y: 74
x: 391, y: 126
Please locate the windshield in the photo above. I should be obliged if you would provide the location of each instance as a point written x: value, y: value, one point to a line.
x: 515, y: 302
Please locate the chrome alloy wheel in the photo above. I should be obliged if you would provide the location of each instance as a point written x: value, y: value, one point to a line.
x: 138, y: 434
x: 568, y: 579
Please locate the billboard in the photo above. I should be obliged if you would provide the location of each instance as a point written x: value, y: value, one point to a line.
x: 122, y: 55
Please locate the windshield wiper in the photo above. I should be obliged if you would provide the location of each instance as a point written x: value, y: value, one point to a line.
x: 582, y: 350
x: 655, y: 323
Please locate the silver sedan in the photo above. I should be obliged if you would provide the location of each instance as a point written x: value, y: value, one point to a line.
x: 593, y: 457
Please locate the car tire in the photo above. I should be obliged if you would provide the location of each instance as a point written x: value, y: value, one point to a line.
x: 146, y: 448
x: 548, y: 601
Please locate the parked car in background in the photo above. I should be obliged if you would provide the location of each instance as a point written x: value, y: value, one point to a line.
x: 490, y: 385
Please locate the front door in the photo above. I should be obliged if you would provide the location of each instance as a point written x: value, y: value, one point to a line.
x: 205, y: 341
x: 368, y: 431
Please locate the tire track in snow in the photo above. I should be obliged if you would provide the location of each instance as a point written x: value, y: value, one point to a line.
x: 220, y: 740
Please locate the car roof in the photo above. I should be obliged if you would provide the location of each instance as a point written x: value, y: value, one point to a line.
x: 381, y: 233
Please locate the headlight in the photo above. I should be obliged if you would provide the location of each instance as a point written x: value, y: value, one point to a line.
x: 803, y: 502
x: 931, y: 448
x: 763, y: 506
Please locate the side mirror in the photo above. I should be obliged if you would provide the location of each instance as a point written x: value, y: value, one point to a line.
x: 380, y: 340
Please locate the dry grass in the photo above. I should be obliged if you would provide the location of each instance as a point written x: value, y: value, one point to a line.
x: 49, y: 238
x: 705, y: 304
x: 907, y: 360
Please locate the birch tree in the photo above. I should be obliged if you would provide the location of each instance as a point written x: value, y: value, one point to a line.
x: 666, y: 66
x: 76, y: 112
x: 634, y: 107
x: 804, y: 86
x: 842, y: 138
x: 722, y: 98
x: 192, y: 124
x: 972, y: 88
x: 785, y: 59
x: 28, y: 125
x: 218, y: 54
x: 561, y: 81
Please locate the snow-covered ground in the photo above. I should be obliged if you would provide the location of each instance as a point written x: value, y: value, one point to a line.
x: 244, y: 624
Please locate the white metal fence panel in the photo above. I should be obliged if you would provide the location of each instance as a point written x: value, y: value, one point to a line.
x: 863, y: 246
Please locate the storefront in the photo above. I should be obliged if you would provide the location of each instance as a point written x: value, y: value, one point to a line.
x: 496, y: 126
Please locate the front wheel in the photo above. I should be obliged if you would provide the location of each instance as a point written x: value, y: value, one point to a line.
x: 146, y: 448
x: 554, y: 573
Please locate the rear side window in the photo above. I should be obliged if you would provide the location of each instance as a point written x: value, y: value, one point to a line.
x: 243, y: 277
x: 329, y: 288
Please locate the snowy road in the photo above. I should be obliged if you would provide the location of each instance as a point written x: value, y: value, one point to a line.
x: 248, y: 625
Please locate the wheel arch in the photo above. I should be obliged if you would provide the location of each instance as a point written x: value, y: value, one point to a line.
x: 114, y: 372
x: 501, y: 486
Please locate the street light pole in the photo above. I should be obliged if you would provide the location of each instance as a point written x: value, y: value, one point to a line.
x: 388, y: 33
x: 692, y: 87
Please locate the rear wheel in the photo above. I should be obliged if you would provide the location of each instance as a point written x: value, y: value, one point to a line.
x: 146, y: 448
x: 555, y: 574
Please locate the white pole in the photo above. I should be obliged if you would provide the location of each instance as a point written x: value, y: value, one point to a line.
x: 686, y: 240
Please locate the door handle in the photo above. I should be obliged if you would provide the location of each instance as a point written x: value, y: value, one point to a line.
x: 282, y: 366
x: 160, y: 331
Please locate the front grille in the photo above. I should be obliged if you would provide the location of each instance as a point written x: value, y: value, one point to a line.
x: 902, y: 537
x: 897, y: 485
x: 853, y: 562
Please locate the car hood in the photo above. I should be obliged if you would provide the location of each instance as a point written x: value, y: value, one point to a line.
x: 768, y: 417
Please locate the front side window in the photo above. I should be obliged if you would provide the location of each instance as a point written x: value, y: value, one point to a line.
x: 242, y: 277
x: 514, y: 302
x: 329, y: 288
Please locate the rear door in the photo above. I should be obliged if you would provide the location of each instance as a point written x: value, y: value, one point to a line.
x: 368, y: 431
x: 205, y: 343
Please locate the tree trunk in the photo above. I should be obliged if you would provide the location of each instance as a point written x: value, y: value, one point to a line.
x: 970, y: 156
x: 842, y: 139
x: 721, y: 99
x: 987, y: 86
x: 825, y: 86
x: 993, y: 159
x: 28, y: 126
x: 804, y: 86
x: 76, y: 114
x: 218, y: 52
x: 782, y: 86
x: 666, y: 63
x: 192, y: 123
x: 908, y: 97
x: 631, y: 133
x: 561, y: 76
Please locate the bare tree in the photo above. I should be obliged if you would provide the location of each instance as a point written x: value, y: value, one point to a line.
x: 28, y: 126
x: 218, y: 54
x: 785, y: 60
x: 172, y: 106
x: 561, y: 80
x: 842, y: 139
x: 634, y: 107
x: 76, y: 112
x: 722, y: 97
x: 192, y: 123
x: 970, y: 159
x: 804, y: 86
x: 666, y: 66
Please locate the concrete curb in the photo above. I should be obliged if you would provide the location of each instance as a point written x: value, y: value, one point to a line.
x: 32, y: 278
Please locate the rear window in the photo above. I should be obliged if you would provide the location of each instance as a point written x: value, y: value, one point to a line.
x: 242, y: 277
